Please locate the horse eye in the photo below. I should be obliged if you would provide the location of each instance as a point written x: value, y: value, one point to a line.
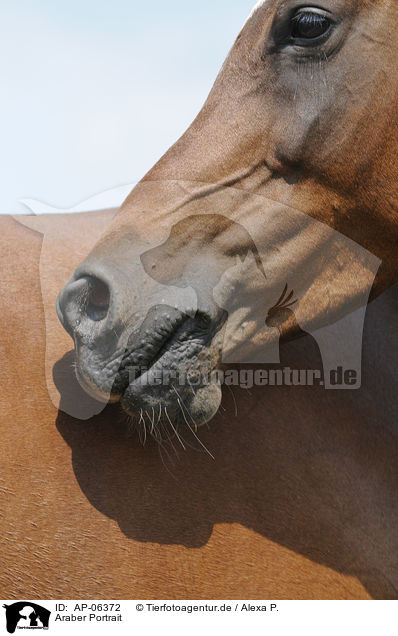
x: 308, y: 25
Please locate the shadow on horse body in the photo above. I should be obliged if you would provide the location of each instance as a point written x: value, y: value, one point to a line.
x: 310, y: 469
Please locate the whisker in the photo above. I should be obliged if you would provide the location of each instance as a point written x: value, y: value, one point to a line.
x: 160, y: 413
x: 174, y: 429
x: 169, y: 438
x: 164, y: 463
x: 180, y: 398
x: 193, y: 432
x: 233, y: 397
x: 152, y: 421
x: 143, y: 426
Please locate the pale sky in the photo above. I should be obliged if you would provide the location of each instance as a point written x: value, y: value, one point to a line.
x: 94, y: 92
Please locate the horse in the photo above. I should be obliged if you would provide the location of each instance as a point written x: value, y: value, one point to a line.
x: 282, y: 149
x: 287, y: 492
x: 298, y: 503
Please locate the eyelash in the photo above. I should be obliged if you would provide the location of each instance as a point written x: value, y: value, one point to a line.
x: 309, y: 19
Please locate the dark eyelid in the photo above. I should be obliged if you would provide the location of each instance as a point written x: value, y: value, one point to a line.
x: 283, y: 39
x: 311, y: 11
x: 310, y: 17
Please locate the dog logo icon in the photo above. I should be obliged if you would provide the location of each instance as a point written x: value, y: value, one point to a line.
x: 26, y: 615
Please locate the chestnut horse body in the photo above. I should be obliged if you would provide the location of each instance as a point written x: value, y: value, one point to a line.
x: 293, y: 491
x: 299, y: 502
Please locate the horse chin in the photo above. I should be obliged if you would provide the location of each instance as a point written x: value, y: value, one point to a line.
x: 172, y: 404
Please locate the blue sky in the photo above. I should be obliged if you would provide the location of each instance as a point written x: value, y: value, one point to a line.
x: 94, y: 92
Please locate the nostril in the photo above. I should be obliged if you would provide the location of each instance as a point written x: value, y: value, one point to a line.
x: 98, y: 299
x: 71, y: 303
x: 86, y: 297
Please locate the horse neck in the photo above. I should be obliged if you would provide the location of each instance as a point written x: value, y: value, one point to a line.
x: 329, y: 457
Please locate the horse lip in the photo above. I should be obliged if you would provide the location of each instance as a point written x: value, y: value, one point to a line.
x: 141, y: 365
x: 201, y: 325
x: 158, y: 337
x: 94, y: 393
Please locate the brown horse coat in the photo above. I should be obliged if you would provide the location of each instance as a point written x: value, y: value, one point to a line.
x: 300, y: 501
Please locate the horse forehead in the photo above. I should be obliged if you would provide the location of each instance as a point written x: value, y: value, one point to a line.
x: 257, y: 6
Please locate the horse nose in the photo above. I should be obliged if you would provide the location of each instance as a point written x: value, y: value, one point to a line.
x: 84, y: 302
